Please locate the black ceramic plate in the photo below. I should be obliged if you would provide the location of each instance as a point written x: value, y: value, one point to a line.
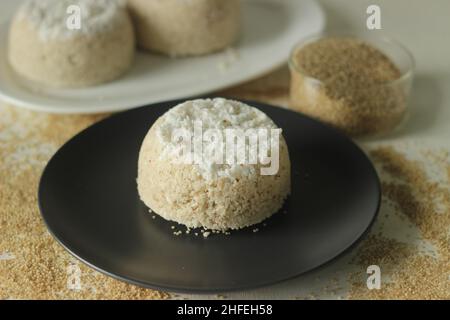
x: 89, y: 201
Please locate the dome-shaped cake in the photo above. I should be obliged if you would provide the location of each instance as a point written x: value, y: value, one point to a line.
x: 186, y: 27
x: 71, y: 43
x: 188, y: 184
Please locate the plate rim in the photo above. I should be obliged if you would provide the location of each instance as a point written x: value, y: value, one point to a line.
x: 235, y: 288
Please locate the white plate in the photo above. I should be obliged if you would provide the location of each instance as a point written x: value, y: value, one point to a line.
x: 271, y: 28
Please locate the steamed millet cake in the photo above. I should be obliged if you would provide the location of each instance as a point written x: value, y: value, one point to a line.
x: 186, y: 27
x: 209, y: 194
x: 42, y: 48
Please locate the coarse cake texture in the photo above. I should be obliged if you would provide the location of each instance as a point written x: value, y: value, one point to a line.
x: 42, y: 49
x: 209, y: 195
x: 349, y: 84
x: 186, y: 27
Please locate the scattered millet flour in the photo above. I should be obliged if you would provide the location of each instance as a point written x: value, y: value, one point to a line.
x: 418, y: 199
x: 343, y: 82
x: 228, y: 59
x: 206, y: 234
x: 181, y: 229
x: 39, y: 269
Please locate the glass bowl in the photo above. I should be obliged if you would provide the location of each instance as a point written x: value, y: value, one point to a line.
x: 358, y: 107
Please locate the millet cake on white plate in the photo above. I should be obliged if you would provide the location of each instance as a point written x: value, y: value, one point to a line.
x: 209, y: 194
x: 186, y: 27
x: 45, y: 49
